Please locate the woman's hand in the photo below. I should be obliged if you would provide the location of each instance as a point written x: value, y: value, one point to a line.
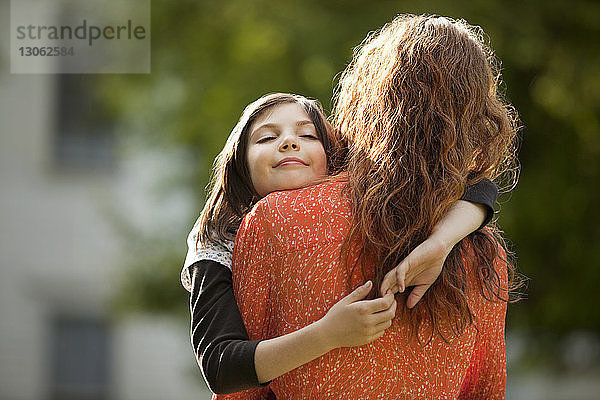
x: 353, y: 321
x: 419, y: 269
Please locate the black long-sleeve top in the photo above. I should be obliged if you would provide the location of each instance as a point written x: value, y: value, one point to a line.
x: 223, y: 351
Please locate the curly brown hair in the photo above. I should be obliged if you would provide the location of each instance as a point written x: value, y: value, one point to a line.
x: 420, y: 110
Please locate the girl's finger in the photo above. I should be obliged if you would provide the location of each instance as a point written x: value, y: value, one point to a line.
x: 385, y: 315
x: 416, y: 294
x: 401, y: 271
x: 377, y: 305
x: 388, y: 283
x: 374, y: 330
x: 358, y: 294
x: 376, y: 336
x: 392, y: 290
x: 382, y: 326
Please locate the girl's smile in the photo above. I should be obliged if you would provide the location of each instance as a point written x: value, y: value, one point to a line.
x: 290, y: 161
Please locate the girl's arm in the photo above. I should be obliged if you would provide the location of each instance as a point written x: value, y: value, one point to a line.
x: 231, y: 363
x: 350, y: 322
x: 219, y: 338
x: 484, y: 193
x: 424, y: 264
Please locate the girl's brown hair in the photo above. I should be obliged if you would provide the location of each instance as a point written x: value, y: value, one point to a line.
x: 420, y: 110
x: 230, y: 191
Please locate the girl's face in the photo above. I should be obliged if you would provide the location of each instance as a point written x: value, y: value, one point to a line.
x: 284, y: 150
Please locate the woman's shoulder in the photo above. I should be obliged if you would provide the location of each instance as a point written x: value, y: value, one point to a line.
x: 329, y: 186
x: 299, y: 211
x: 320, y: 194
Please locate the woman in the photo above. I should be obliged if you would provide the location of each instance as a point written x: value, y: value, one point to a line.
x: 419, y: 110
x: 275, y: 128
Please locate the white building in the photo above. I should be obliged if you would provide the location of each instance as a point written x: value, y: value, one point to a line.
x: 61, y: 258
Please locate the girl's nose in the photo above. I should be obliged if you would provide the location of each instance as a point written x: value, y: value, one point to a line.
x: 289, y: 144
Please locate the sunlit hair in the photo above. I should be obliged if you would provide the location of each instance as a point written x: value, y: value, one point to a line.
x: 420, y: 110
x: 230, y: 191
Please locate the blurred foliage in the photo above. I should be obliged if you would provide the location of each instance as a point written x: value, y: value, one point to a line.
x: 210, y: 58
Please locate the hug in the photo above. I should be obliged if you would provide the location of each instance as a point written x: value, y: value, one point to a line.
x: 356, y: 257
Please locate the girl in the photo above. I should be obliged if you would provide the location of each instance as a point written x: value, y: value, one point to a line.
x: 281, y: 142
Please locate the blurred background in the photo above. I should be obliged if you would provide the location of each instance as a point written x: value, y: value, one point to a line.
x: 103, y: 176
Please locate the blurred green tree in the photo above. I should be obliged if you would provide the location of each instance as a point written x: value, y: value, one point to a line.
x: 211, y: 58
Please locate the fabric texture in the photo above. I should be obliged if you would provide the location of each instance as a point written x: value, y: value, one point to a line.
x: 286, y: 275
x: 217, y: 330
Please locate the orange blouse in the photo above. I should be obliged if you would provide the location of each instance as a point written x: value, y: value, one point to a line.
x: 286, y: 275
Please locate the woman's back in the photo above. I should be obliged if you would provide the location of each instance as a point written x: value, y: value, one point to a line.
x: 287, y: 274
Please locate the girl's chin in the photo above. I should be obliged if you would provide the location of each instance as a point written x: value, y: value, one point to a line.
x: 297, y: 184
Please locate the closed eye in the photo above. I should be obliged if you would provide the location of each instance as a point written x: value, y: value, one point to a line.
x: 310, y: 136
x: 265, y: 139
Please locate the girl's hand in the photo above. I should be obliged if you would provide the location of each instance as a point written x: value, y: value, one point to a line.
x: 419, y: 269
x: 353, y: 321
x: 424, y: 264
